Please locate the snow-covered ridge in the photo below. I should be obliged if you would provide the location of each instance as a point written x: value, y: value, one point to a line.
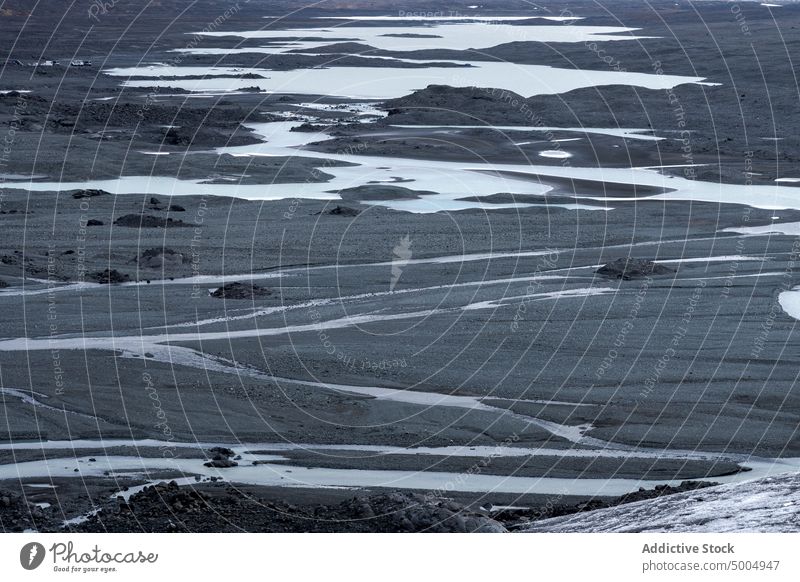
x: 771, y: 504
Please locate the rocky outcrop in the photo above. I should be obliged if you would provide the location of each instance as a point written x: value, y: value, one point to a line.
x: 221, y: 458
x: 108, y: 277
x: 445, y: 105
x: 218, y: 506
x: 17, y: 514
x: 89, y: 193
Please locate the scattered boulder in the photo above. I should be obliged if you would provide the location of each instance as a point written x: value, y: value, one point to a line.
x: 221, y: 463
x: 89, y: 193
x: 155, y: 204
x: 240, y: 290
x: 343, y: 211
x: 109, y: 276
x: 3, y: 284
x: 221, y: 458
x: 147, y: 221
x: 628, y: 268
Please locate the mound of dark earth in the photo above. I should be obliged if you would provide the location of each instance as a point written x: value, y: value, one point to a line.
x: 108, y: 277
x: 89, y: 193
x: 147, y: 221
x: 94, y: 222
x: 240, y: 290
x: 370, y: 192
x: 3, y: 284
x: 160, y: 258
x: 311, y: 128
x: 628, y: 268
x: 526, y: 516
x: 445, y: 105
x: 82, y: 115
x: 166, y: 507
x: 221, y: 458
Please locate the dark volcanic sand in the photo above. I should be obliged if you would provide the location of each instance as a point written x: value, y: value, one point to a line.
x: 729, y: 382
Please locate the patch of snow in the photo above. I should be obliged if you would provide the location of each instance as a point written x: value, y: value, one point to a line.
x: 555, y: 154
x: 790, y: 302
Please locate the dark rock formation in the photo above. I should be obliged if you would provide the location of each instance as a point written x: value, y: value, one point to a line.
x: 147, y: 221
x: 160, y: 258
x: 221, y: 458
x: 628, y: 268
x: 109, y: 276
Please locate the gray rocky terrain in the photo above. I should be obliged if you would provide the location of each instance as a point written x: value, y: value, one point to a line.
x: 377, y: 369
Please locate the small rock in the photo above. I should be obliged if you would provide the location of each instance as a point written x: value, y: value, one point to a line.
x: 221, y: 464
x: 89, y: 193
x: 239, y: 290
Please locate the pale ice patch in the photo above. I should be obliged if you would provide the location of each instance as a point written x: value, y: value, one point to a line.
x: 628, y: 133
x: 438, y: 18
x: 790, y: 302
x: 433, y: 35
x: 715, y: 259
